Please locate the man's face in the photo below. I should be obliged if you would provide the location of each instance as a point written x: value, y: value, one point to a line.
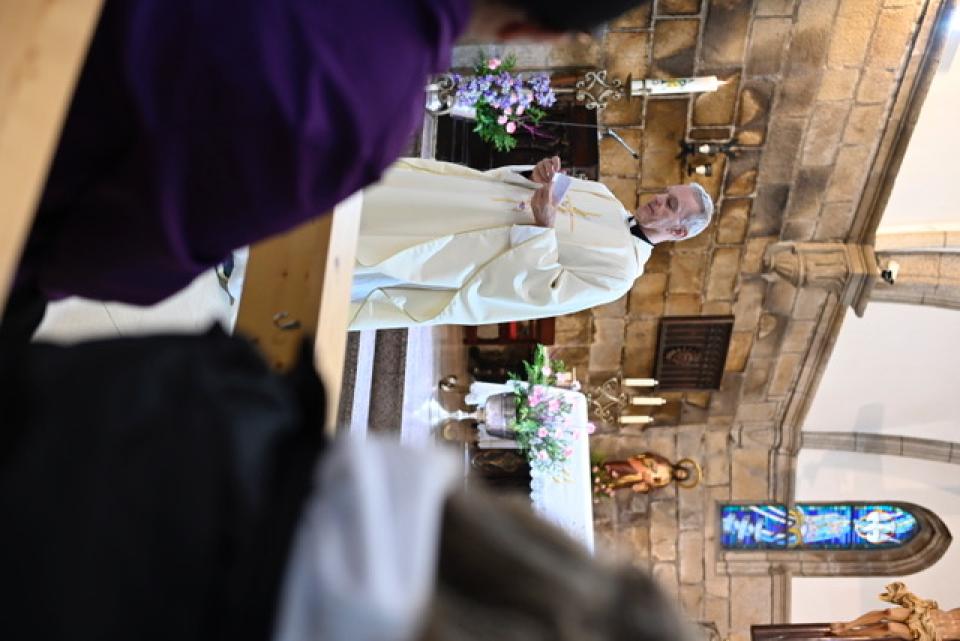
x: 666, y: 212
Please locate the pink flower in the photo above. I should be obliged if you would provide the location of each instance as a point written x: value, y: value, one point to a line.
x: 558, y: 433
x: 493, y: 63
x: 502, y: 120
x: 546, y: 370
x: 507, y: 111
x: 567, y: 453
x: 542, y: 432
x: 520, y: 110
x: 591, y: 428
x: 542, y: 455
x: 553, y: 406
x: 511, y: 127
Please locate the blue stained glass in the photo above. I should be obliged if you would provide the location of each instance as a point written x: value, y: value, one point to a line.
x: 882, y: 526
x: 754, y: 527
x: 815, y: 526
x: 825, y: 527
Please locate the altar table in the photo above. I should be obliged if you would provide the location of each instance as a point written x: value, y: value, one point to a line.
x: 567, y: 502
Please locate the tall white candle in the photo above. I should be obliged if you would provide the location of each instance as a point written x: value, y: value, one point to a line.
x: 635, y: 420
x: 655, y: 87
x: 648, y: 400
x: 640, y: 382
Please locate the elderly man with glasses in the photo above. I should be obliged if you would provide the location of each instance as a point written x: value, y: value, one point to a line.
x: 444, y: 244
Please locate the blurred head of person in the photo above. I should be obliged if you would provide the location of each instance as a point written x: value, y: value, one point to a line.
x: 504, y: 574
x: 390, y: 547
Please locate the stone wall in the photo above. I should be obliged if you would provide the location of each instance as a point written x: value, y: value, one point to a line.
x: 816, y: 97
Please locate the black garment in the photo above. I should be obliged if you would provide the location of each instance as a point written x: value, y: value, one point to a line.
x: 149, y: 488
x: 21, y: 316
x: 637, y: 231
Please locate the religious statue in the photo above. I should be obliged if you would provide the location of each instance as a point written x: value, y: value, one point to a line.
x: 645, y: 472
x: 916, y: 618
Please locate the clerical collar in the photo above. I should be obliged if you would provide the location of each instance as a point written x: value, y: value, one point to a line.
x: 638, y: 232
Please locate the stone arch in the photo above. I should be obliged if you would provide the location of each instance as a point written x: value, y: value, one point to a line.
x: 921, y: 448
x: 925, y: 278
x: 929, y: 265
x: 923, y: 550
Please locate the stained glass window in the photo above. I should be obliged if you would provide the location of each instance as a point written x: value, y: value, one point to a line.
x: 815, y: 526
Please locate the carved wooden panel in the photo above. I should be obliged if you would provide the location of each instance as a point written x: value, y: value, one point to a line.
x: 691, y: 352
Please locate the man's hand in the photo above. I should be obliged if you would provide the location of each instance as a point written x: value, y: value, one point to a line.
x: 544, y: 170
x: 544, y: 211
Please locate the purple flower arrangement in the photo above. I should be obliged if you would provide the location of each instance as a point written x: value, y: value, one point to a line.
x: 543, y: 426
x: 504, y: 101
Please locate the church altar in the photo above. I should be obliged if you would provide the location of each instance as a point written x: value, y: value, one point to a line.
x: 567, y: 503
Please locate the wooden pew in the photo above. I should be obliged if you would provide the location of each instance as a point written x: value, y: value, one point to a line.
x: 42, y: 46
x: 297, y: 285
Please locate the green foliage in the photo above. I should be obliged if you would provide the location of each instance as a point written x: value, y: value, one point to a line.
x: 491, y: 131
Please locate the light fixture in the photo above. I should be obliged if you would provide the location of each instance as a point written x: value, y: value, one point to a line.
x: 728, y: 149
x: 890, y: 272
x: 705, y: 169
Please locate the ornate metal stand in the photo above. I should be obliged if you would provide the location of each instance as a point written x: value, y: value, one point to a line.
x: 595, y: 91
x: 440, y: 94
x: 607, y: 401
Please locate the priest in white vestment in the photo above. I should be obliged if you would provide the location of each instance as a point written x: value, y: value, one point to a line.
x: 441, y: 243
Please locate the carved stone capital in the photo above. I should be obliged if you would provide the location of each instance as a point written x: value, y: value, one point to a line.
x: 847, y: 270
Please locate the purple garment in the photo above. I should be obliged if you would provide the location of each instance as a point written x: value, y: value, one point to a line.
x: 201, y: 126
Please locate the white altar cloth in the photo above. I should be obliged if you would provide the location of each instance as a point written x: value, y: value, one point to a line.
x: 568, y: 503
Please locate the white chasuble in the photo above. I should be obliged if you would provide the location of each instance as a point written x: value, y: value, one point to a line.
x: 445, y: 244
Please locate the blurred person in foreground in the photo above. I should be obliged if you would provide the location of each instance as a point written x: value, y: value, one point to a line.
x: 186, y: 492
x: 200, y: 127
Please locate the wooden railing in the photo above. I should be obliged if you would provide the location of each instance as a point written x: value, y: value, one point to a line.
x: 297, y: 285
x: 42, y: 46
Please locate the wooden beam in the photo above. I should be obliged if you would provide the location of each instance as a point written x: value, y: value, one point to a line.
x: 42, y: 47
x: 297, y: 285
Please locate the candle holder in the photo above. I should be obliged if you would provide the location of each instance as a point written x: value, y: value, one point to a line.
x: 728, y: 149
x: 705, y: 169
x: 608, y: 401
x: 440, y: 94
x: 595, y: 91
